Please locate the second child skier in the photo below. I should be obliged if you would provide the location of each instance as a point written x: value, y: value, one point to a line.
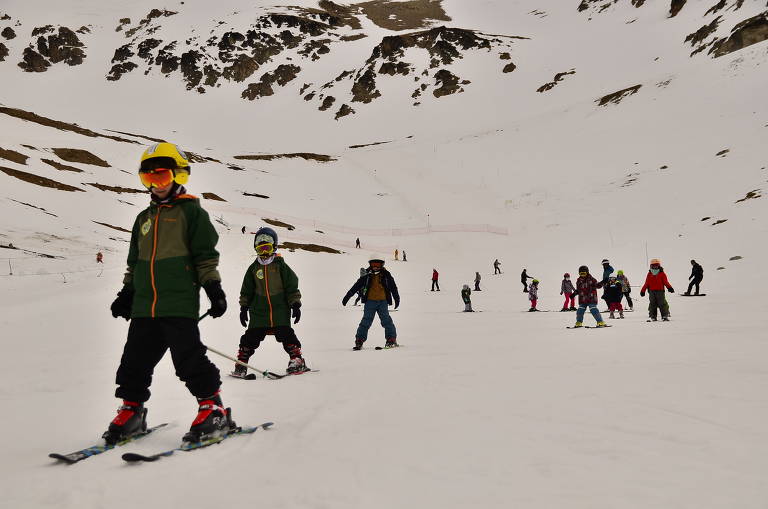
x: 567, y: 289
x: 270, y: 297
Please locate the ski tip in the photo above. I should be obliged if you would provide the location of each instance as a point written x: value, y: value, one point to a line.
x: 61, y: 457
x: 132, y: 457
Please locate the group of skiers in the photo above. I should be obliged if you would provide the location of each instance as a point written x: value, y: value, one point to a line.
x: 173, y: 254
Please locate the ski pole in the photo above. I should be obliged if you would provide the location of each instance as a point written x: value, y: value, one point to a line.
x: 267, y: 374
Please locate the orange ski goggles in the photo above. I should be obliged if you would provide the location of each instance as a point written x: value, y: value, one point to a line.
x: 162, y: 177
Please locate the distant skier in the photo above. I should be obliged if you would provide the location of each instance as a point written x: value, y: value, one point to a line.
x: 655, y: 282
x: 524, y: 277
x: 172, y: 254
x: 465, y: 296
x: 477, y: 282
x: 357, y: 243
x: 99, y: 257
x: 363, y: 272
x: 613, y: 295
x: 435, y: 284
x: 697, y: 274
x: 567, y: 289
x: 405, y: 259
x: 607, y: 270
x: 243, y: 230
x: 270, y: 297
x: 533, y: 294
x: 379, y: 290
x: 586, y: 287
x: 496, y: 265
x: 397, y: 253
x: 626, y: 289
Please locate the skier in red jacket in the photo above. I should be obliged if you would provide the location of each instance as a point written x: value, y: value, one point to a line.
x: 655, y: 282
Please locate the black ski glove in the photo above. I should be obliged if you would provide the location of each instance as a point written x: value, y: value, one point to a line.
x: 642, y: 294
x: 121, y: 307
x: 296, y: 312
x: 397, y: 303
x: 344, y: 301
x: 671, y: 290
x: 244, y: 316
x: 216, y: 296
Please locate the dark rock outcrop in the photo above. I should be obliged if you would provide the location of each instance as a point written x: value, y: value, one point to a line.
x: 750, y: 31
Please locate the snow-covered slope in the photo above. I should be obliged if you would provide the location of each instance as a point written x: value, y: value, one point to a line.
x: 605, y: 137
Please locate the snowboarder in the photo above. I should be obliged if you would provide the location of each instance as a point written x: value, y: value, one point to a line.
x: 496, y: 264
x: 533, y: 294
x: 435, y: 284
x: 626, y: 289
x: 379, y: 290
x: 99, y: 257
x: 655, y: 282
x: 357, y: 243
x: 396, y: 255
x: 172, y: 254
x: 363, y: 272
x: 270, y: 297
x: 586, y: 287
x: 613, y: 295
x: 477, y: 282
x: 524, y: 277
x: 465, y: 296
x: 697, y: 274
x: 567, y: 289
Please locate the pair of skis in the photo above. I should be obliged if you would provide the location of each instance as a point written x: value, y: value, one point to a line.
x: 130, y: 457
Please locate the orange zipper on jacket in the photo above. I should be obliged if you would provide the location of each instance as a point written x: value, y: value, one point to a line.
x: 269, y: 299
x: 152, y: 261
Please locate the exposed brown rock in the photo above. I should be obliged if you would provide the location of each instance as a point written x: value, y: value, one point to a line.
x: 39, y: 181
x: 76, y: 155
x: 61, y: 167
x: 702, y: 33
x: 307, y: 156
x: 213, y: 196
x: 118, y: 228
x: 255, y: 195
x: 408, y: 15
x: 449, y: 83
x: 509, y: 68
x: 116, y: 189
x: 12, y: 155
x: 675, y: 7
x: 57, y: 124
x: 3, y: 51
x: 8, y: 33
x: 33, y: 61
x: 364, y: 89
x: 327, y: 103
x: 750, y: 31
x: 344, y: 111
x: 558, y: 78
x: 276, y: 222
x: 616, y: 97
x: 314, y: 248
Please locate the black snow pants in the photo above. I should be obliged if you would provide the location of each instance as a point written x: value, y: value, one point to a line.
x: 148, y: 340
x: 657, y: 299
x: 252, y: 338
x: 694, y: 282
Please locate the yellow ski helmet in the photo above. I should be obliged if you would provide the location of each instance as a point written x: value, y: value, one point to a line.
x: 165, y: 156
